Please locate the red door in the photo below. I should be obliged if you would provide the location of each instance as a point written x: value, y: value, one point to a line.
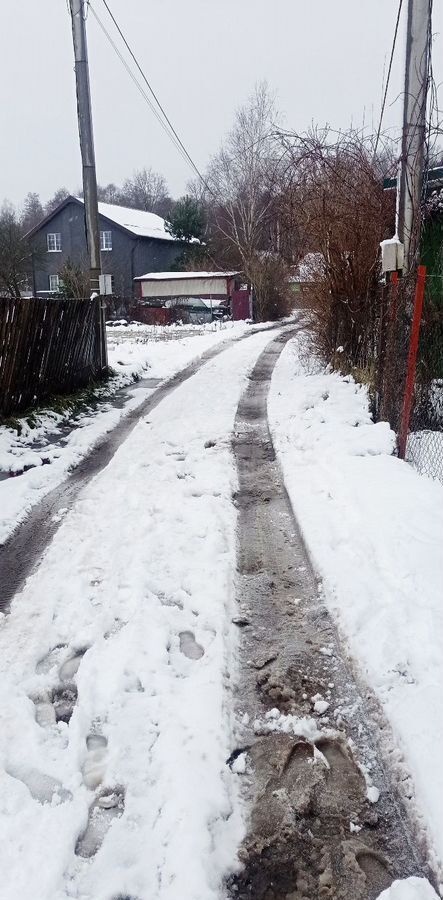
x: 240, y: 305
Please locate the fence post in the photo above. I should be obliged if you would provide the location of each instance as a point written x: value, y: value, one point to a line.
x: 412, y: 362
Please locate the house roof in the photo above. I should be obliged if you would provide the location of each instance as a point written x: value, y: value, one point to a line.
x: 135, y: 221
x: 178, y: 276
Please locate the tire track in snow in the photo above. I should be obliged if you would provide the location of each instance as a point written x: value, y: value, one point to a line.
x: 132, y: 605
x: 326, y: 817
x: 24, y: 548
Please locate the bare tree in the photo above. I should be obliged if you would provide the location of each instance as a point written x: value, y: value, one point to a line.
x: 33, y: 212
x: 75, y: 280
x: 109, y: 193
x: 244, y: 188
x: 15, y: 254
x: 146, y: 190
x: 55, y: 201
x: 337, y: 189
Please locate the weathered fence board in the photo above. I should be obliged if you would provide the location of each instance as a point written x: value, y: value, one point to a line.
x: 46, y: 347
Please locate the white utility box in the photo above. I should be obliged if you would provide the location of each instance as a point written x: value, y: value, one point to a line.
x: 392, y: 255
x: 105, y: 282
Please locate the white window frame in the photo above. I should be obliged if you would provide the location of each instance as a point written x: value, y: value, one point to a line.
x: 55, y: 290
x: 105, y: 239
x: 57, y: 241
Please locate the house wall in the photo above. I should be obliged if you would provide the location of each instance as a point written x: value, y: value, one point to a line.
x: 155, y: 256
x: 185, y: 287
x: 129, y: 257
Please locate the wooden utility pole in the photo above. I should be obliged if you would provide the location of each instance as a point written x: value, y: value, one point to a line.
x: 88, y: 158
x: 418, y: 38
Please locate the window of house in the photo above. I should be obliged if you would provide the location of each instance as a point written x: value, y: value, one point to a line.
x: 55, y: 283
x: 106, y: 240
x: 54, y: 242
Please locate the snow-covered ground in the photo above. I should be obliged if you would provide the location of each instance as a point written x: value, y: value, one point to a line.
x: 130, y: 609
x: 50, y: 448
x: 409, y: 889
x: 374, y: 528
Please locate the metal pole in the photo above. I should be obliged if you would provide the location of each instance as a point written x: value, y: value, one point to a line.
x: 88, y: 157
x: 410, y: 185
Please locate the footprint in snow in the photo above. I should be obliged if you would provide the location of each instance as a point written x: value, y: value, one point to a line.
x: 189, y: 646
x: 94, y: 766
x: 64, y: 699
x: 42, y: 787
x: 72, y: 665
x: 109, y: 805
x: 59, y: 705
x: 50, y: 660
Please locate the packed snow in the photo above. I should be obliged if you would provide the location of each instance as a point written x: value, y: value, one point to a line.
x: 116, y: 660
x: 374, y: 529
x: 55, y: 443
x: 179, y: 276
x: 137, y: 221
x: 409, y: 889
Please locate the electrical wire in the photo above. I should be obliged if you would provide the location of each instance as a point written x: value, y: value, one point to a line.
x: 394, y: 41
x: 136, y: 82
x: 166, y: 123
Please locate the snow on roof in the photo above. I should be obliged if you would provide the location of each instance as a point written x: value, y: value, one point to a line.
x: 139, y: 222
x: 177, y: 276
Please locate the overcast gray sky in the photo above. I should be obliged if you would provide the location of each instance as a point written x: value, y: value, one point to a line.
x: 323, y: 58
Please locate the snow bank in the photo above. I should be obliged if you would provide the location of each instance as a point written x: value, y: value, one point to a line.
x: 139, y: 583
x: 409, y: 889
x: 374, y: 528
x: 50, y: 449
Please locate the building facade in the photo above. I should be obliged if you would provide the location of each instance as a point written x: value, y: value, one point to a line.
x: 131, y: 241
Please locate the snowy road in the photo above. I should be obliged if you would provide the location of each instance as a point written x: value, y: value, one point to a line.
x: 115, y: 658
x: 120, y: 682
x: 34, y: 497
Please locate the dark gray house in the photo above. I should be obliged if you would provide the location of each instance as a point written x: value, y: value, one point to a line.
x: 132, y: 242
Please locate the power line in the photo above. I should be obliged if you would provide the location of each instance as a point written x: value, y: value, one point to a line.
x: 136, y: 82
x: 394, y: 41
x: 178, y: 143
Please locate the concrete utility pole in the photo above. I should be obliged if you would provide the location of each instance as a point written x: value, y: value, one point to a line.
x: 418, y: 37
x: 88, y: 155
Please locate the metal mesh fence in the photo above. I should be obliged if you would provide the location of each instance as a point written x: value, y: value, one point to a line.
x: 425, y: 439
x: 424, y: 445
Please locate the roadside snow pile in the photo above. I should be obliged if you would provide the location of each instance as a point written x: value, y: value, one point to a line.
x: 116, y: 661
x: 374, y: 528
x: 40, y: 456
x: 409, y: 889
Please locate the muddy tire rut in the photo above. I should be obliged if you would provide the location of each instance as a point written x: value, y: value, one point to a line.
x: 327, y: 819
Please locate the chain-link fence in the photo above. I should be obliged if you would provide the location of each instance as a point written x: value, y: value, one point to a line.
x: 417, y: 407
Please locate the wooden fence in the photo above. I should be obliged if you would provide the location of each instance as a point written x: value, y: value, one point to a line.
x: 49, y: 346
